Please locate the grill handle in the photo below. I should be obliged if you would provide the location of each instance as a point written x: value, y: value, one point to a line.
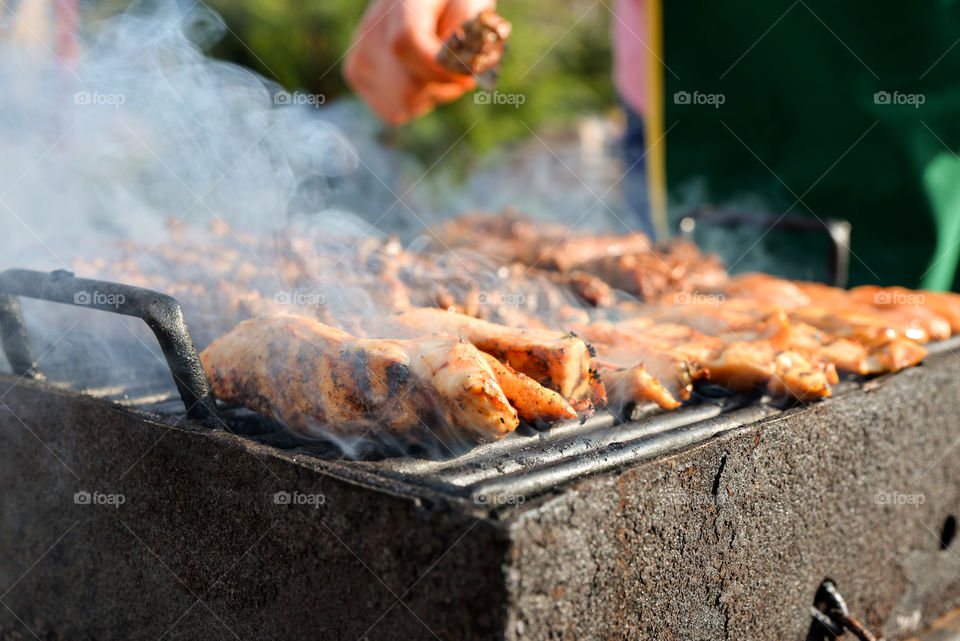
x: 836, y: 231
x: 160, y: 312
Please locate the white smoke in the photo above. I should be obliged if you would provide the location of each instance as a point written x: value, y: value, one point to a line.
x: 144, y: 137
x: 144, y: 127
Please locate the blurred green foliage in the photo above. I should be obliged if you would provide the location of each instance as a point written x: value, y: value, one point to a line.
x: 558, y: 58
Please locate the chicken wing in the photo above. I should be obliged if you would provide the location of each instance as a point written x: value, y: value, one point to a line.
x: 558, y: 361
x: 309, y: 375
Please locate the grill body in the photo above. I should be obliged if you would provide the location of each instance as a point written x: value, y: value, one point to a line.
x: 719, y: 528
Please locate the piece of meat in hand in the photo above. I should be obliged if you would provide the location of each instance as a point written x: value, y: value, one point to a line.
x: 477, y: 47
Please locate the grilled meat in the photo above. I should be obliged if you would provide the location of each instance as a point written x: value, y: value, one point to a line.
x: 308, y: 375
x: 634, y: 384
x: 536, y: 404
x: 477, y: 47
x: 628, y: 262
x: 558, y: 361
x: 490, y: 330
x: 665, y: 379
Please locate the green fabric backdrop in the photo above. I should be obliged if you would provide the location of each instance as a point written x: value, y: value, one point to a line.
x: 800, y: 120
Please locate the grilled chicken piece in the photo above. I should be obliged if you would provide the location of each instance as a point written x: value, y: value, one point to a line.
x: 876, y: 357
x: 699, y: 334
x: 535, y: 404
x: 558, y: 361
x: 566, y: 254
x: 634, y: 384
x: 628, y: 262
x: 867, y: 315
x: 589, y: 288
x: 662, y: 377
x: 931, y: 305
x: 910, y: 320
x: 673, y: 268
x: 745, y: 365
x: 308, y: 375
x: 477, y: 47
x: 738, y: 363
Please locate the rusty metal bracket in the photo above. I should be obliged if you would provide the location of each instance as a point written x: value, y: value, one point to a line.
x: 831, y: 612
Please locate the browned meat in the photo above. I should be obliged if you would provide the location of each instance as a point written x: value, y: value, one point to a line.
x: 666, y: 376
x: 558, y: 361
x: 674, y: 268
x: 576, y: 249
x: 591, y: 289
x: 477, y: 47
x: 535, y: 403
x: 635, y: 384
x: 518, y: 288
x: 864, y: 314
x: 309, y: 376
x: 743, y: 362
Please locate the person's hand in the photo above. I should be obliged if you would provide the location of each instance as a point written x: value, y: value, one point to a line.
x: 391, y: 61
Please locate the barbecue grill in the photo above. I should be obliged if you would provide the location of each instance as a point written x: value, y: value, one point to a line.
x: 135, y: 513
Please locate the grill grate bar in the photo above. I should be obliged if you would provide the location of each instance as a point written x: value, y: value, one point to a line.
x: 542, y: 452
x: 505, y: 489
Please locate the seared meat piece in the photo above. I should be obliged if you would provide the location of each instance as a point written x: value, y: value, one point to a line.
x: 308, y: 375
x: 558, y: 361
x: 665, y: 377
x: 864, y: 314
x: 743, y: 363
x: 577, y: 248
x: 520, y: 286
x: 876, y: 357
x: 910, y: 321
x: 589, y: 288
x: 634, y: 384
x: 536, y: 404
x: 477, y: 47
x: 933, y: 307
x: 673, y: 268
x: 699, y: 331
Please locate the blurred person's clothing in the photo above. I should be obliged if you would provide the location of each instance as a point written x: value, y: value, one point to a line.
x: 631, y: 59
x: 49, y: 26
x: 635, y: 174
x: 631, y: 54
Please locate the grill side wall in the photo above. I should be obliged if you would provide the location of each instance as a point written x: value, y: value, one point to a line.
x: 200, y: 550
x: 730, y: 539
